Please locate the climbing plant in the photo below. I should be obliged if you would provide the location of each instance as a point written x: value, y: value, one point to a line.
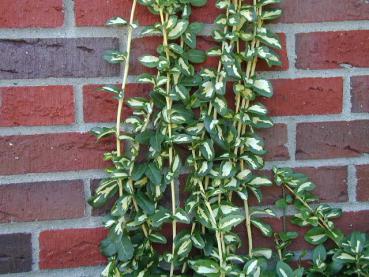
x: 197, y: 132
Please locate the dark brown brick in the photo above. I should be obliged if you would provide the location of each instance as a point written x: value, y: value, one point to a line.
x: 360, y: 94
x: 15, y: 253
x: 362, y: 174
x: 51, y: 152
x: 354, y: 221
x: 41, y: 201
x: 44, y: 58
x: 275, y: 142
x: 330, y: 50
x: 325, y: 140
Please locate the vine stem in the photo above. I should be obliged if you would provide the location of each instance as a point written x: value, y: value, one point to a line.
x: 121, y: 102
x: 321, y: 223
x: 170, y: 151
x: 124, y: 82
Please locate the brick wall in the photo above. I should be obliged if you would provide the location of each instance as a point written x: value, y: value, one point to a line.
x: 50, y: 67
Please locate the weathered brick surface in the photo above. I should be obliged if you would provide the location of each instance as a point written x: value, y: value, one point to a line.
x: 329, y: 50
x: 307, y: 96
x: 27, y: 106
x: 15, y: 253
x: 41, y: 201
x: 51, y: 152
x: 71, y: 248
x: 59, y: 57
x: 275, y: 142
x: 360, y: 94
x: 302, y: 11
x: 325, y: 140
x: 99, y: 106
x: 362, y: 174
x: 31, y: 13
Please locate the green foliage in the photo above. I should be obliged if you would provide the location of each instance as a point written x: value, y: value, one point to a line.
x: 188, y: 124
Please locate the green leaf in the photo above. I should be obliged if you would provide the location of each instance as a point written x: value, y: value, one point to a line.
x: 101, y: 132
x: 198, y: 3
x: 124, y: 249
x: 207, y: 149
x: 205, y: 267
x: 153, y: 173
x: 262, y: 226
x: 271, y: 14
x: 316, y: 235
x: 160, y: 217
x: 182, y: 216
x: 117, y: 21
x: 118, y: 93
x: 196, y: 56
x: 157, y: 238
x: 284, y: 270
x: 149, y: 61
x: 263, y: 87
x: 319, y: 255
x: 178, y: 30
x: 145, y: 203
x: 226, y: 223
x: 107, y: 188
x: 251, y: 267
x: 114, y: 57
x: 197, y: 240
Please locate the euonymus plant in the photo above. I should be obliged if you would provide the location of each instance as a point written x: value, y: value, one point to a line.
x: 197, y: 132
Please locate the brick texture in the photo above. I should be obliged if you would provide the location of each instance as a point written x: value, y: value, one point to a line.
x: 360, y: 94
x: 31, y: 13
x: 15, y: 253
x: 41, y: 201
x: 44, y: 58
x: 275, y: 142
x: 308, y: 96
x: 329, y: 50
x: 29, y: 106
x: 362, y: 175
x: 71, y: 248
x: 325, y: 140
x: 51, y: 152
x: 302, y: 11
x: 99, y: 106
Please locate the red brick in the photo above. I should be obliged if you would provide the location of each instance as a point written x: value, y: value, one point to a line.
x: 27, y: 106
x: 362, y: 174
x: 354, y: 221
x: 360, y: 94
x: 275, y: 142
x: 71, y: 248
x: 51, y: 152
x: 325, y: 140
x: 31, y: 13
x: 306, y: 96
x: 331, y: 184
x: 41, y: 201
x: 96, y: 12
x: 329, y: 50
x: 99, y: 106
x: 302, y: 11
